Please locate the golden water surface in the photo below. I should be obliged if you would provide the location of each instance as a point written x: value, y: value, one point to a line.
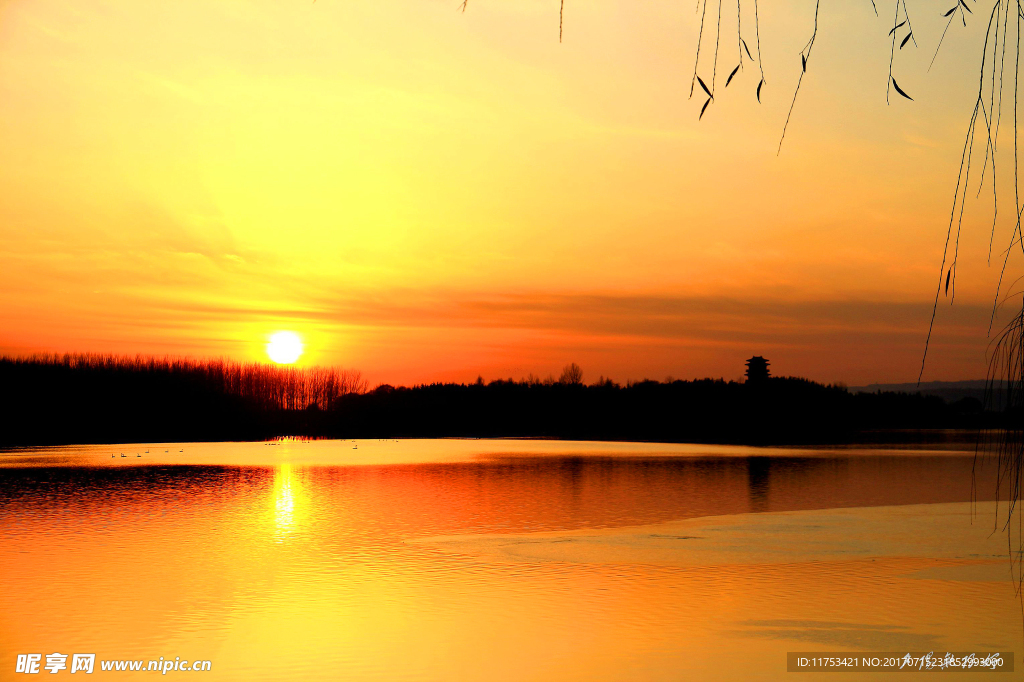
x: 497, y: 560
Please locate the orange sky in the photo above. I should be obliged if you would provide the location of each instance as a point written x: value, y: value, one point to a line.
x: 425, y: 194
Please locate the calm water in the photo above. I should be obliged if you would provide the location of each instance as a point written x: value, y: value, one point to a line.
x: 495, y: 560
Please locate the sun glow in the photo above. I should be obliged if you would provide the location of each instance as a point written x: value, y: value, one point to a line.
x: 284, y: 348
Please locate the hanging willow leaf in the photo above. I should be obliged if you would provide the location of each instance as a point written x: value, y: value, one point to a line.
x: 759, y: 91
x: 703, y: 108
x: 747, y: 49
x: 898, y: 25
x: 803, y: 62
x: 966, y: 7
x: 900, y: 90
x: 948, y: 273
x: 699, y: 80
x: 905, y: 40
x: 949, y: 12
x: 729, y: 79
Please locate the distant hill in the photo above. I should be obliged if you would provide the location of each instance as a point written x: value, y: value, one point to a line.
x: 949, y: 391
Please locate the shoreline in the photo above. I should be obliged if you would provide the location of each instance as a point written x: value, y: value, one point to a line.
x: 875, y: 438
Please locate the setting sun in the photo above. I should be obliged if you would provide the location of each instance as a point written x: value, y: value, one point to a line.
x: 284, y: 348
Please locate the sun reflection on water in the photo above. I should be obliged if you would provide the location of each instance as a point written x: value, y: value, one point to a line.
x: 287, y: 493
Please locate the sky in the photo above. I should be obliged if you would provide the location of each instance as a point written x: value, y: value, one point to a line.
x: 426, y: 194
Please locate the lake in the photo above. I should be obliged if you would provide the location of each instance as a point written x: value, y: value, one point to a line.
x: 498, y: 559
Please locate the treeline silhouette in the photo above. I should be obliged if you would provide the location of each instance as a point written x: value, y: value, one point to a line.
x: 93, y: 398
x: 107, y: 398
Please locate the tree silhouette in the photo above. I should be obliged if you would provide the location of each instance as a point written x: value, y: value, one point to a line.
x: 111, y: 399
x: 572, y: 375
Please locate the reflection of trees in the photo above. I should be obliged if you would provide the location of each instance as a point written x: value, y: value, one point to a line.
x: 518, y: 492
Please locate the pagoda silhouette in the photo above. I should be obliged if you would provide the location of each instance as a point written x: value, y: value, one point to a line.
x: 757, y: 370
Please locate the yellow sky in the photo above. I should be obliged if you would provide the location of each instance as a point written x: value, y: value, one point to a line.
x: 425, y: 194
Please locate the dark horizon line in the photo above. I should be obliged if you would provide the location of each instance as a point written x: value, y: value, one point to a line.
x: 529, y: 378
x: 104, y: 399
